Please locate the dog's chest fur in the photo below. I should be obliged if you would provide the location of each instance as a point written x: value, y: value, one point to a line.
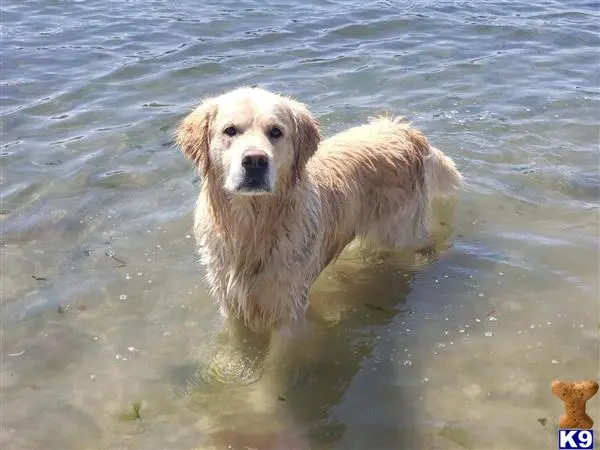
x: 260, y: 267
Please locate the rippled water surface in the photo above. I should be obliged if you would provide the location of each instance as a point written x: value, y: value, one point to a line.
x: 103, y: 312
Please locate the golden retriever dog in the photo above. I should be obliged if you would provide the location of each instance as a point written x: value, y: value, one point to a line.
x: 277, y: 204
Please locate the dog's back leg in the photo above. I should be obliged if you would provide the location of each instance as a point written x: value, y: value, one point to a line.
x: 405, y: 223
x: 401, y: 222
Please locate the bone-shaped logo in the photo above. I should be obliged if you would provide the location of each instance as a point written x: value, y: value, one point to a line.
x: 575, y: 395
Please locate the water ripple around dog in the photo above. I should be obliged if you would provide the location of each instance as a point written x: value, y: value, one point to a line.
x: 230, y: 369
x: 226, y: 365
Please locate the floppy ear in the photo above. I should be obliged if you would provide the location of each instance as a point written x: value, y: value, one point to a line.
x: 193, y: 135
x: 306, y: 139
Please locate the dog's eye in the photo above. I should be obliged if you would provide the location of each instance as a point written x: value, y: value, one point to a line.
x: 230, y: 131
x: 275, y: 133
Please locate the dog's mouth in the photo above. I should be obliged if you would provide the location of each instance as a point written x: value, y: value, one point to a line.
x: 253, y: 187
x: 250, y: 190
x: 250, y: 181
x: 254, y: 184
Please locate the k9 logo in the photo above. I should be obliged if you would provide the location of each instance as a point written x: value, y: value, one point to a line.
x: 575, y: 439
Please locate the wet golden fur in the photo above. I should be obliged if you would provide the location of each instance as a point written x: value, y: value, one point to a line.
x: 263, y: 252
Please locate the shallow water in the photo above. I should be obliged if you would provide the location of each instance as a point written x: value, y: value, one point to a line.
x: 102, y: 304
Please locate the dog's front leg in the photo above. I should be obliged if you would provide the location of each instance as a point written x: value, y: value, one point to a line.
x: 242, y: 336
x: 296, y: 323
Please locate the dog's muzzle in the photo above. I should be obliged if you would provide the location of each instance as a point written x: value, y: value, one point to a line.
x: 255, y: 167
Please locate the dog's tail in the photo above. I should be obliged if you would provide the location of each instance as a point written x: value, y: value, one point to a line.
x: 442, y: 178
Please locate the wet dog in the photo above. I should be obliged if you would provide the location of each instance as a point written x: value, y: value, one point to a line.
x: 277, y: 204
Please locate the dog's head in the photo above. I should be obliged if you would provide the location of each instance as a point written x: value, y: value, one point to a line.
x: 252, y: 140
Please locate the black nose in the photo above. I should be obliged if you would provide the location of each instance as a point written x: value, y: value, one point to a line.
x: 255, y: 160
